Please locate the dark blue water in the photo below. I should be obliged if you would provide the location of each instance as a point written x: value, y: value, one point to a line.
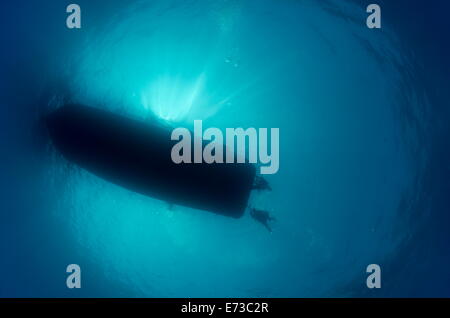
x: 364, y: 160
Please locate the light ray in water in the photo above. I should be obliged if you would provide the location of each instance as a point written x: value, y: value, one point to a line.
x: 172, y: 98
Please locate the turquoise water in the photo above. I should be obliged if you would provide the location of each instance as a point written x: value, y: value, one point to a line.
x: 352, y: 119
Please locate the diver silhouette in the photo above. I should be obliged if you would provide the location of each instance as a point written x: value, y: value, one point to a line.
x: 262, y: 217
x: 260, y: 183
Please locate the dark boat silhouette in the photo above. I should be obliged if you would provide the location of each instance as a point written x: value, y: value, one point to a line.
x: 137, y: 156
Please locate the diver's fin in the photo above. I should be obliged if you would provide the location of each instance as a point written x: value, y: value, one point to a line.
x: 260, y: 183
